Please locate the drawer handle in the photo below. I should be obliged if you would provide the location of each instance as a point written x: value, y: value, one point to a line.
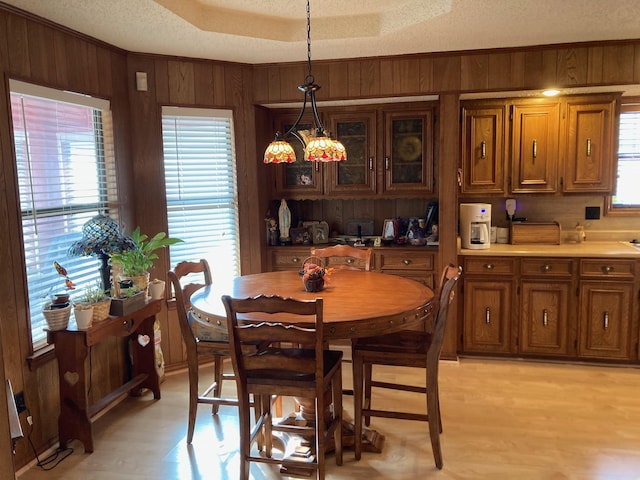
x: 349, y: 261
x: 406, y: 261
x: 483, y: 149
x: 487, y: 315
x: 386, y: 163
x: 295, y: 260
x: 605, y: 320
x: 489, y: 266
x: 546, y: 268
x: 588, y: 147
x: 370, y: 163
x: 545, y: 317
x: 534, y: 150
x: 607, y: 269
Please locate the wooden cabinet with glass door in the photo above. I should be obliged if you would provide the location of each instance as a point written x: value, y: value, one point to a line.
x: 408, y: 152
x: 357, y: 175
x: 301, y: 178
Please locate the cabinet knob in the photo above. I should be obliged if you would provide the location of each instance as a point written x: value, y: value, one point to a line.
x: 295, y: 260
x: 588, y: 147
x: 546, y: 268
x: 406, y: 261
x: 483, y: 149
x: 605, y: 320
x: 487, y: 315
x: 349, y: 261
x: 545, y: 317
x: 489, y: 266
x: 607, y: 269
x: 386, y: 163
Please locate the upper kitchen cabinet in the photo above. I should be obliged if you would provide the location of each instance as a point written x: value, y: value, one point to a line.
x: 534, y: 146
x: 300, y: 178
x: 389, y: 153
x: 408, y: 152
x: 357, y: 175
x: 588, y: 146
x: 483, y: 148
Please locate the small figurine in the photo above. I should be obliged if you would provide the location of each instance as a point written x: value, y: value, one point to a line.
x: 284, y: 217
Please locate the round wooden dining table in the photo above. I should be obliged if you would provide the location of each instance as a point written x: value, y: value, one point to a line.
x: 356, y: 303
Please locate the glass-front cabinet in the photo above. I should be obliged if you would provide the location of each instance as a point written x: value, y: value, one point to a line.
x: 357, y: 175
x: 408, y: 152
x: 300, y: 177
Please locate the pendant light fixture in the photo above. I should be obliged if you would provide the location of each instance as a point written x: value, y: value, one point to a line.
x: 319, y: 146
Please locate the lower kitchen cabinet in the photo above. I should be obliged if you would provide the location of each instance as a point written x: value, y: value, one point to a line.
x: 571, y: 308
x: 544, y: 317
x: 487, y: 316
x: 488, y: 286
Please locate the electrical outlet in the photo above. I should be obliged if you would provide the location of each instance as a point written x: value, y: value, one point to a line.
x: 20, y: 405
x: 592, y: 213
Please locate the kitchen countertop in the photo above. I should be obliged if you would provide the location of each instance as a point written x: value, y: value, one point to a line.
x: 585, y: 249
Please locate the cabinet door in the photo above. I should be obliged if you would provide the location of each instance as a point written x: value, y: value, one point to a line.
x: 408, y: 152
x: 483, y: 149
x: 544, y: 318
x: 534, y: 155
x: 356, y: 175
x: 301, y: 177
x: 589, y: 160
x: 605, y: 319
x: 487, y: 316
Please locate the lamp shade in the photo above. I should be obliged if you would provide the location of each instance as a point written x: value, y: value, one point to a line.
x: 101, y: 235
x: 279, y: 151
x: 323, y: 149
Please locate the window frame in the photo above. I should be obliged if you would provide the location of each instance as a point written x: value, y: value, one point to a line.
x: 628, y: 104
x: 83, y: 271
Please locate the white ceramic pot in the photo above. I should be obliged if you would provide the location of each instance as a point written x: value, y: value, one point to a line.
x: 156, y: 289
x: 84, y: 316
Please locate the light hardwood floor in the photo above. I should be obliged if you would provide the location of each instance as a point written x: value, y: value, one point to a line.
x: 502, y: 419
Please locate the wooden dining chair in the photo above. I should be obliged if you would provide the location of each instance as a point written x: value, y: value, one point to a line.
x: 344, y: 256
x: 308, y: 372
x: 218, y: 348
x: 406, y: 349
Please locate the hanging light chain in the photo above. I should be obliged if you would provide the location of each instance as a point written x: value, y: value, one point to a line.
x: 309, y: 80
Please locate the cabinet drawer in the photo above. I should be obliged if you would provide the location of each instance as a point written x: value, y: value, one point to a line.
x: 489, y: 266
x: 607, y: 268
x: 288, y: 260
x: 406, y: 261
x: 548, y: 267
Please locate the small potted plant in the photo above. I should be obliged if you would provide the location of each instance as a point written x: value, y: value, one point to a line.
x: 135, y: 262
x: 92, y: 306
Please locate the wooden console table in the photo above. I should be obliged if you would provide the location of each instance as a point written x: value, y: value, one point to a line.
x: 71, y: 348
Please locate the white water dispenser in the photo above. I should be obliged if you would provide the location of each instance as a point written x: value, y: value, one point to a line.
x: 475, y: 225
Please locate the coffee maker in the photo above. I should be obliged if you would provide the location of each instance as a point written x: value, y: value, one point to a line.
x: 475, y: 225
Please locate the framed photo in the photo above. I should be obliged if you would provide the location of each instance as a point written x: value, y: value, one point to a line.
x: 320, y: 233
x: 299, y: 235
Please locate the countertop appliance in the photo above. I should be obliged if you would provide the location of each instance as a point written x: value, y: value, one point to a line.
x: 475, y: 225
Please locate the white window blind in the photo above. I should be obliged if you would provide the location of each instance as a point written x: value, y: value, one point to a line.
x: 200, y: 181
x: 627, y: 193
x: 64, y: 157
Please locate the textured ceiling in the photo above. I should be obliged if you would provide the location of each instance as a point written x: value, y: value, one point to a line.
x: 266, y: 31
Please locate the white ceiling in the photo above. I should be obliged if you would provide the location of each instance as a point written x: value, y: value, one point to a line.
x: 268, y: 31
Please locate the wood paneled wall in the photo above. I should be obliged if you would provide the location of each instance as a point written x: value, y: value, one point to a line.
x: 36, y: 51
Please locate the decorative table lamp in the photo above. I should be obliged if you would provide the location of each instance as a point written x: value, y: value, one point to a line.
x: 101, y: 237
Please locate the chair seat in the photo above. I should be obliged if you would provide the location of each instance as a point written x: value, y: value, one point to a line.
x: 405, y: 341
x: 332, y: 359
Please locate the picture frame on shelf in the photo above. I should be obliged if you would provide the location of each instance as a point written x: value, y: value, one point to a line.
x: 299, y: 235
x: 320, y: 233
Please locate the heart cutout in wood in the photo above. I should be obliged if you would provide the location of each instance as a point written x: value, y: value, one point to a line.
x: 71, y: 378
x: 143, y: 340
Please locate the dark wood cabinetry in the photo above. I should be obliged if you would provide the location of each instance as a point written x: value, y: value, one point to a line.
x: 607, y: 308
x: 589, y: 145
x: 534, y: 146
x: 483, y: 149
x: 389, y: 153
x: 544, y: 146
x: 546, y: 307
x: 488, y: 299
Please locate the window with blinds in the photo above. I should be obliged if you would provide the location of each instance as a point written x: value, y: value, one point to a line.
x: 627, y: 193
x: 200, y: 181
x: 66, y: 175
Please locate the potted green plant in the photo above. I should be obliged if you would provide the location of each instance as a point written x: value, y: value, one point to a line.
x: 94, y: 300
x: 135, y: 262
